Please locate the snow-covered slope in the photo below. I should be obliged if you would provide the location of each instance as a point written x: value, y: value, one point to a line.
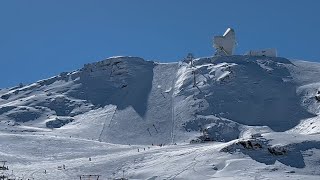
x: 128, y: 101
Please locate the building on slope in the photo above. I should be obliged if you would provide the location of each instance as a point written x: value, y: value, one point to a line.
x: 3, y: 171
x: 264, y: 52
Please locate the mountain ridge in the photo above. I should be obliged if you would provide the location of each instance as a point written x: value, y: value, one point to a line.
x: 259, y: 91
x: 234, y: 117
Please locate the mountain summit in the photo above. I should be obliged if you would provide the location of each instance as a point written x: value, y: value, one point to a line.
x: 127, y: 100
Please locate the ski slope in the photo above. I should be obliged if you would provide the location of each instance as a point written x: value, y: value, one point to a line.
x: 138, y: 117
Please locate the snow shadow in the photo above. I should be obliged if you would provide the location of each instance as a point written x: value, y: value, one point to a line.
x: 124, y: 81
x: 293, y: 156
x: 23, y: 114
x: 258, y: 92
x: 215, y: 129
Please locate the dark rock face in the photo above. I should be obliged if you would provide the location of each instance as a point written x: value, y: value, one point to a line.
x: 57, y: 123
x: 24, y: 116
x: 277, y: 150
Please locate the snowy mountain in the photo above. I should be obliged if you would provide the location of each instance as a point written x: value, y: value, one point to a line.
x: 245, y: 117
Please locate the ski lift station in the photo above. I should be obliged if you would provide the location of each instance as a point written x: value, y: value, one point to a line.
x: 3, y: 166
x: 225, y: 46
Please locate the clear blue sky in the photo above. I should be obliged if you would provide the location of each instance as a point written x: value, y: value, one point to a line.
x: 41, y: 38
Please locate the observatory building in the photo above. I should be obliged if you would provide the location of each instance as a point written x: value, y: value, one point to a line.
x: 225, y: 44
x: 264, y: 52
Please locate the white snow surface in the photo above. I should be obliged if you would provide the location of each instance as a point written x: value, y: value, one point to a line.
x: 136, y: 118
